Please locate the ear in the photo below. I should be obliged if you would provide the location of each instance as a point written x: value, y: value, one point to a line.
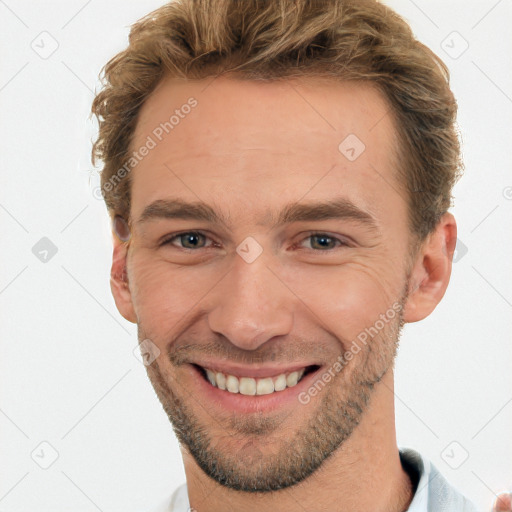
x: 431, y: 270
x: 119, y: 281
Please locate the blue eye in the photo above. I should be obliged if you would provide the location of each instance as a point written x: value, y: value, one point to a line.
x: 325, y: 242
x: 189, y: 240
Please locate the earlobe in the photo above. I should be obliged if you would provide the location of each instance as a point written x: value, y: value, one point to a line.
x: 119, y: 281
x: 431, y: 270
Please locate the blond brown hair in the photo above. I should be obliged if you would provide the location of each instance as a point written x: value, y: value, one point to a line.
x: 276, y: 39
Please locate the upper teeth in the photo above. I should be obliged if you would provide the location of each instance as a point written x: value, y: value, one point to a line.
x: 250, y: 386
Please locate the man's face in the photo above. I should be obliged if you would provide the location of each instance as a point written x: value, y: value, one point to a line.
x: 251, y: 152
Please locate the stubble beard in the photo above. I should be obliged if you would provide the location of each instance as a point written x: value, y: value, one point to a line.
x: 299, y: 453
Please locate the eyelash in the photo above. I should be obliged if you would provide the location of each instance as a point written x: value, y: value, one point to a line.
x: 341, y: 243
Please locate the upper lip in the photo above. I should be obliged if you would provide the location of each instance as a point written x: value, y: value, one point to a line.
x: 254, y: 371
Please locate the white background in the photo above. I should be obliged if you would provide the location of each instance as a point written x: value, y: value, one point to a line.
x: 68, y: 373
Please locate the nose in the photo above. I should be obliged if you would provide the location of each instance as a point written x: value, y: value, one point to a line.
x: 251, y: 305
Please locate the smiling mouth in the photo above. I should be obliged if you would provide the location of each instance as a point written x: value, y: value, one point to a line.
x: 255, y: 386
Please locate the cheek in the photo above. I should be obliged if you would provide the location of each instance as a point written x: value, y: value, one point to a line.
x: 348, y: 298
x: 343, y: 299
x: 165, y: 296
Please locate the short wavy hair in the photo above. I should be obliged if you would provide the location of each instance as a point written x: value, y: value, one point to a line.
x: 361, y: 40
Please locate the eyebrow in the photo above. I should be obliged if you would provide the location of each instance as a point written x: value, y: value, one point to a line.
x: 339, y: 208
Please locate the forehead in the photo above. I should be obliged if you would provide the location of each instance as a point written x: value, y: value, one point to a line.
x: 276, y: 140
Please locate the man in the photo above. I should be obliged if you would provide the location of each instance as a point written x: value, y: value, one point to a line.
x: 279, y: 174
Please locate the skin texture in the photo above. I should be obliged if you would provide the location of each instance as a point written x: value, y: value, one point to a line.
x: 248, y: 149
x: 503, y: 503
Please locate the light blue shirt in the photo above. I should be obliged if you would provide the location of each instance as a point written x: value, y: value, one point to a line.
x: 433, y: 493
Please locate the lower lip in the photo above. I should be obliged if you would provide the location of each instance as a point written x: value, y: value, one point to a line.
x: 237, y: 402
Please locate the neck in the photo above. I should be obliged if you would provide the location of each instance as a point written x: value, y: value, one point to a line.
x: 364, y: 474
